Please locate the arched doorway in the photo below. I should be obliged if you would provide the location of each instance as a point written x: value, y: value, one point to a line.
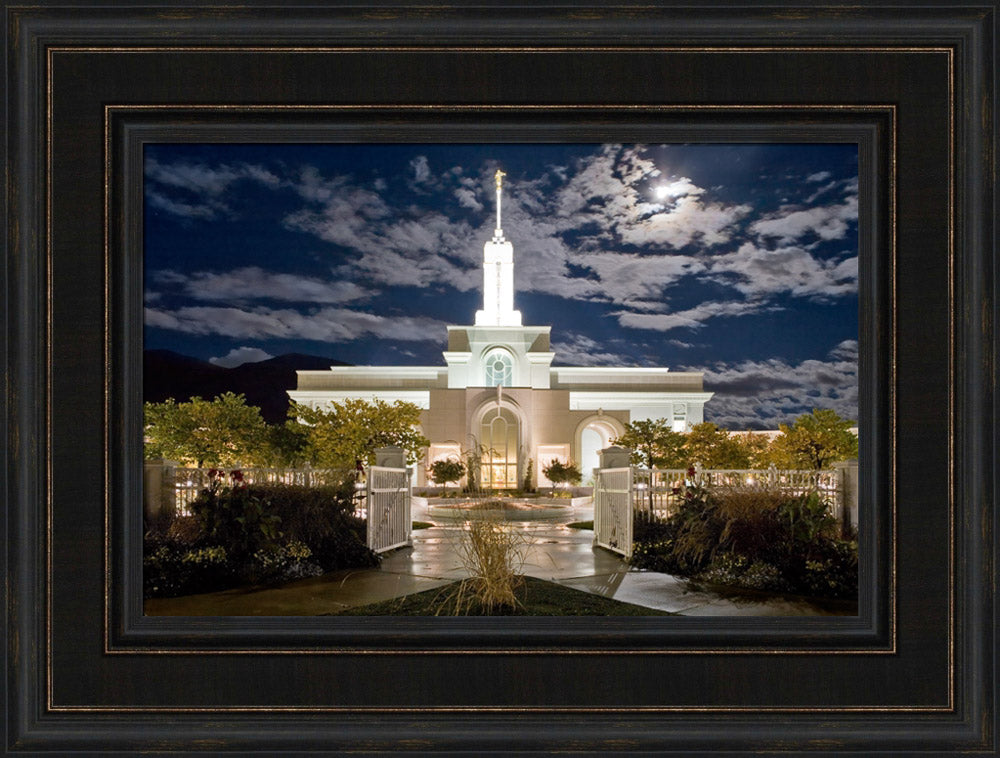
x: 593, y: 435
x: 499, y: 435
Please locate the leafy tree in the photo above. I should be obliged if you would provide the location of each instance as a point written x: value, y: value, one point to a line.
x: 756, y: 447
x: 445, y: 471
x: 558, y: 472
x: 815, y: 440
x: 715, y: 448
x: 286, y: 444
x: 352, y: 429
x: 224, y: 431
x: 653, y: 444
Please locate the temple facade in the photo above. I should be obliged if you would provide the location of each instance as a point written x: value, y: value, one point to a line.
x: 499, y: 391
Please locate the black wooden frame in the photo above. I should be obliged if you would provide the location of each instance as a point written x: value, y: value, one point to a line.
x: 86, y: 672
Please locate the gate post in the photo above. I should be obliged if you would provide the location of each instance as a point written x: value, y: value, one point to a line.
x: 615, y: 456
x: 158, y: 496
x: 390, y: 457
x: 847, y: 484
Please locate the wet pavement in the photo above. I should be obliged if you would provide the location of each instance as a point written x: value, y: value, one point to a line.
x: 551, y: 551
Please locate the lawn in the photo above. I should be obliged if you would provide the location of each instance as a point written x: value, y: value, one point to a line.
x: 537, y: 598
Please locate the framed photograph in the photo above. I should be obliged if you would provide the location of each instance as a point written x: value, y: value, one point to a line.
x: 238, y: 184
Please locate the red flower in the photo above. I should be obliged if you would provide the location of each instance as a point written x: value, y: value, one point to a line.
x: 237, y: 475
x: 676, y: 490
x: 691, y: 471
x: 213, y: 472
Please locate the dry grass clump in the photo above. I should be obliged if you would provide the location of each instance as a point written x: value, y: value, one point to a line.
x: 493, y: 552
x: 740, y: 518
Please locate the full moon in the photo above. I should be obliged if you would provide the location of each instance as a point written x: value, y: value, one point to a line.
x: 661, y: 192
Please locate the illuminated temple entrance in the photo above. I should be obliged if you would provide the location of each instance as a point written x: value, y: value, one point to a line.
x: 500, y: 438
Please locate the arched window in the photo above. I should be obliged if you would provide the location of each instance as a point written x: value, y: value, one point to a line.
x: 499, y: 434
x: 499, y: 368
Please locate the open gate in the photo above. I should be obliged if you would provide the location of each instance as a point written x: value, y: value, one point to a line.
x: 613, y: 509
x: 388, y: 508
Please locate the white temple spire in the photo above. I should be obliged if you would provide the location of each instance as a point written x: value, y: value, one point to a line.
x: 498, y: 232
x: 498, y: 275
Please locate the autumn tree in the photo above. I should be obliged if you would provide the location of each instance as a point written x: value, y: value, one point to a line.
x: 653, y: 444
x: 756, y: 447
x: 815, y: 441
x: 715, y: 448
x: 350, y: 430
x: 224, y: 431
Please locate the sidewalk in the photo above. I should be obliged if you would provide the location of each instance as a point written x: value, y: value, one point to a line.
x: 555, y: 553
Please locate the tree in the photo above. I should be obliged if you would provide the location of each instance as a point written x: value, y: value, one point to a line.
x: 352, y: 429
x: 815, y: 440
x: 715, y: 448
x: 445, y: 471
x: 756, y: 447
x: 224, y: 431
x: 558, y: 472
x: 653, y: 444
x: 286, y: 444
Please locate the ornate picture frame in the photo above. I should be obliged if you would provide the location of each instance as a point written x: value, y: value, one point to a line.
x: 87, y: 671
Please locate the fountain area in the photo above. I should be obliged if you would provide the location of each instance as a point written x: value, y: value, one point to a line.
x: 444, y: 511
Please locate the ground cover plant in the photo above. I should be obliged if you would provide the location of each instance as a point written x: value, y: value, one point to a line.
x: 751, y: 537
x: 254, y: 534
x: 534, y: 597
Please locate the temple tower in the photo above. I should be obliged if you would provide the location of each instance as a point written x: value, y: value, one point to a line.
x: 498, y: 275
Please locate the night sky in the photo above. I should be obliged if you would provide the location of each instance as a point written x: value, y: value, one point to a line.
x: 736, y: 260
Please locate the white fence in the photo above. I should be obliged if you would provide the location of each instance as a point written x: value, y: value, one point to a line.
x: 388, y: 508
x: 657, y: 492
x: 383, y: 499
x: 622, y: 493
x: 613, y: 499
x: 169, y: 488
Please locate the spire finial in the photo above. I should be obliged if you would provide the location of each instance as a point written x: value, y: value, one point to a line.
x: 499, y: 175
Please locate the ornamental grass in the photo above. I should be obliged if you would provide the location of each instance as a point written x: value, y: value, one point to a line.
x: 493, y: 553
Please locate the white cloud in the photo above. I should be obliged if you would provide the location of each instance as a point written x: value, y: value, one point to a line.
x: 691, y: 318
x: 819, y: 176
x: 421, y: 169
x: 322, y: 325
x: 253, y: 282
x: 763, y: 394
x: 207, y: 183
x: 467, y: 199
x: 686, y: 221
x: 580, y: 350
x: 240, y: 355
x: 758, y: 272
x: 828, y: 222
x: 182, y: 209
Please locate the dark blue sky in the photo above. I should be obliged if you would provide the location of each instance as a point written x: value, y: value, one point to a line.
x: 736, y: 260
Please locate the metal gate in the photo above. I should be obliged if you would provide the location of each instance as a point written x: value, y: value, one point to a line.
x: 613, y: 509
x: 388, y: 508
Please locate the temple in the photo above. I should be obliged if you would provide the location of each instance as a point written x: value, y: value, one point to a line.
x: 499, y: 390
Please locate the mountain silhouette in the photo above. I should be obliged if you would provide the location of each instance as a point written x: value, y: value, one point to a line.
x: 265, y: 384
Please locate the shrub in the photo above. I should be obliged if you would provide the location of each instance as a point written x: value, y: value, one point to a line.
x: 755, y: 537
x: 256, y: 534
x: 171, y: 567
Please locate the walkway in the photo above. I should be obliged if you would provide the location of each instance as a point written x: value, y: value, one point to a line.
x: 555, y: 553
